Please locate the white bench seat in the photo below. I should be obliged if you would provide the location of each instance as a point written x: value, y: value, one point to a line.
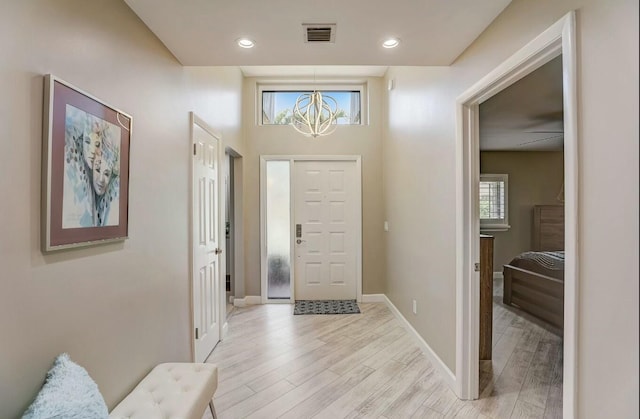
x: 171, y: 391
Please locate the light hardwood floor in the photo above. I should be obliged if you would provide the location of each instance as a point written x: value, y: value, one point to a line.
x: 273, y: 364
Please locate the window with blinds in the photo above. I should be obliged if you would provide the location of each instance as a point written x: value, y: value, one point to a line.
x: 493, y: 202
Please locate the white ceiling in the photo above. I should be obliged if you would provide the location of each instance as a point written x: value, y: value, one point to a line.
x: 203, y: 32
x: 527, y: 115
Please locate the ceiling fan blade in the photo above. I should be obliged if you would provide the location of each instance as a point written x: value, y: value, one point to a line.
x: 550, y: 116
x: 545, y: 118
x: 553, y: 137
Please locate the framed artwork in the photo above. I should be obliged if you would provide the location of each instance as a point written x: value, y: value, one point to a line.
x: 85, y: 169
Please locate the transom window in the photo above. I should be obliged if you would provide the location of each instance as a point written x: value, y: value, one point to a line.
x: 494, y: 212
x: 277, y: 103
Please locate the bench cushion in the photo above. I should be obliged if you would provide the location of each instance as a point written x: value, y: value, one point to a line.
x: 171, y: 391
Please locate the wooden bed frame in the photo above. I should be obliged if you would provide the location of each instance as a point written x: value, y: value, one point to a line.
x: 540, y: 293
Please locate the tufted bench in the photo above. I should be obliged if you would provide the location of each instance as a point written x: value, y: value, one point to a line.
x: 171, y: 391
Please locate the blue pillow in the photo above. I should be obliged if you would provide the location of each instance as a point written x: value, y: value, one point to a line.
x: 68, y: 392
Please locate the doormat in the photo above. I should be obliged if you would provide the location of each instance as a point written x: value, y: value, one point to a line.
x: 326, y: 307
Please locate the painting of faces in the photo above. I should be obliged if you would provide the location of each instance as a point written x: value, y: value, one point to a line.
x: 91, y: 191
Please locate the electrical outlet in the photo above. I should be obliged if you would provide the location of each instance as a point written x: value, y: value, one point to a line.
x: 415, y: 307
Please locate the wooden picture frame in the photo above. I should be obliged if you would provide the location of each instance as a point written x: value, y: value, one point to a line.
x: 85, y: 169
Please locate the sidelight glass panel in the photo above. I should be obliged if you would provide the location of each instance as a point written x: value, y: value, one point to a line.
x: 278, y: 230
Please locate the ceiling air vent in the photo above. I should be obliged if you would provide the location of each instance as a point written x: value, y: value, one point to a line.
x: 319, y: 32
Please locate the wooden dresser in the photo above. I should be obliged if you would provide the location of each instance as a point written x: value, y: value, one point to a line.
x: 486, y: 296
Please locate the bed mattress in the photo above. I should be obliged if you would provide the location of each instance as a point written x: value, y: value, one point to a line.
x: 545, y: 263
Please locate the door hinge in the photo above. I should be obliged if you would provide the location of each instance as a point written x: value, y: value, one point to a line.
x: 476, y: 267
x: 194, y: 149
x: 196, y: 333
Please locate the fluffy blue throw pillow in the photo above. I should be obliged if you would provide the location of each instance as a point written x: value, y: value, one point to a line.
x: 68, y: 392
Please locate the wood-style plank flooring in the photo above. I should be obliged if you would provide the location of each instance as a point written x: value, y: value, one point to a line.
x: 273, y: 364
x: 524, y: 377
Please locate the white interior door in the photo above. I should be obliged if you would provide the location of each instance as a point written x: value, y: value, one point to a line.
x: 206, y: 266
x: 326, y: 235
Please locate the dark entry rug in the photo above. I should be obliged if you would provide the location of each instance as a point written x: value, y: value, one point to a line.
x: 326, y: 307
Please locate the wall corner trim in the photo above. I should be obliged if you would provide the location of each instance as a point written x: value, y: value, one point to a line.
x: 447, y: 374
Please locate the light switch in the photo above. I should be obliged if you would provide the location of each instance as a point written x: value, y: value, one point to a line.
x: 386, y: 226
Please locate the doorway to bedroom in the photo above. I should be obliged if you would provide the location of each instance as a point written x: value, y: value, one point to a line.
x: 525, y: 389
x: 521, y: 217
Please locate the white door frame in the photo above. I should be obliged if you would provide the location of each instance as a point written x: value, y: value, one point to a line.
x: 195, y: 120
x: 558, y: 39
x: 263, y: 220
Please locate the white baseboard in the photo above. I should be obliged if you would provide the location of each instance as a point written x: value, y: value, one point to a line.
x: 247, y: 301
x: 498, y: 275
x: 251, y: 300
x: 373, y: 298
x: 225, y: 330
x: 446, y: 373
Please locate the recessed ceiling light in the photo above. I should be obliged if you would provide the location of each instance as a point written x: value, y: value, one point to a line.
x: 391, y: 43
x: 246, y: 43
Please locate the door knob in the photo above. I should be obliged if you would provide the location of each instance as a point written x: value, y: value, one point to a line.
x: 218, y: 251
x: 300, y: 241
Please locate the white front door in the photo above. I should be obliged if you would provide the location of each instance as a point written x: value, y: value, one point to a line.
x: 326, y: 236
x: 206, y: 267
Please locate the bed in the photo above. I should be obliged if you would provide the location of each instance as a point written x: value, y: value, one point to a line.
x: 534, y: 281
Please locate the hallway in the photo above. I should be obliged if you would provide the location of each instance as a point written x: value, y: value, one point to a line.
x: 273, y: 364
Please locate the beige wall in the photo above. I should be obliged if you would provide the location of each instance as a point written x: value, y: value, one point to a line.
x: 419, y: 185
x: 419, y: 167
x: 363, y: 140
x: 117, y: 309
x: 535, y: 178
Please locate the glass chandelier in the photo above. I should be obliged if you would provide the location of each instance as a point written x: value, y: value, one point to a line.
x: 314, y: 115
